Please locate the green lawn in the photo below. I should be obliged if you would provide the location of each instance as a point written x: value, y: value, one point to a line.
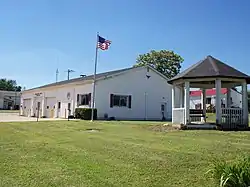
x: 9, y: 111
x: 121, y: 154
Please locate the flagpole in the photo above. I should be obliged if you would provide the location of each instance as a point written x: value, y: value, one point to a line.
x: 94, y: 81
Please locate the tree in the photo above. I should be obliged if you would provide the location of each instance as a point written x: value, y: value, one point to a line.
x: 9, y: 85
x: 166, y: 62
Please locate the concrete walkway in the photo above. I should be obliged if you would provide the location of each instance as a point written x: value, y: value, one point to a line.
x: 12, y: 117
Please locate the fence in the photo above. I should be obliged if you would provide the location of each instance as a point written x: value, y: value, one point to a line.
x: 178, y: 115
x: 232, y: 118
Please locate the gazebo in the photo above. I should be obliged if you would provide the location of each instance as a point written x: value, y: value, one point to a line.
x: 206, y: 74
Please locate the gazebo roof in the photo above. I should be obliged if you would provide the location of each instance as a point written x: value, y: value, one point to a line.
x: 208, y: 68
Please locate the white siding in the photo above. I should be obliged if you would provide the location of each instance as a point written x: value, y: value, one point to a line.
x: 236, y: 98
x: 194, y: 100
x: 1, y: 103
x: 59, y: 95
x: 147, y: 95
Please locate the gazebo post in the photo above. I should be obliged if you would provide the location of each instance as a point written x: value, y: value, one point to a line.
x: 187, y: 102
x: 173, y: 102
x: 218, y: 101
x: 181, y: 97
x: 229, y: 97
x: 203, y: 102
x: 245, y: 103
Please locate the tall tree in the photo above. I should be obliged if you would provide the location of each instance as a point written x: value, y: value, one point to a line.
x: 9, y: 85
x: 164, y: 61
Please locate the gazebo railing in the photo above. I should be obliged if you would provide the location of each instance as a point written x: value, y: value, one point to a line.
x: 232, y: 118
x: 178, y: 115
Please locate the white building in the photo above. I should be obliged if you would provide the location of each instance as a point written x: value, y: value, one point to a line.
x: 196, y: 96
x: 9, y: 100
x: 133, y: 93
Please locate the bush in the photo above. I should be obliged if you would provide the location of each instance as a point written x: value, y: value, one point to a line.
x: 232, y: 174
x: 85, y: 113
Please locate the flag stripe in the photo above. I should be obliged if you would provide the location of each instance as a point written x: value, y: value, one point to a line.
x: 103, y: 44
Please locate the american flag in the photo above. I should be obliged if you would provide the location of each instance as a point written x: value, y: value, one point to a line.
x: 103, y: 44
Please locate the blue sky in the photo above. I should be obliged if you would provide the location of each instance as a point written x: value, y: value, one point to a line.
x: 39, y: 36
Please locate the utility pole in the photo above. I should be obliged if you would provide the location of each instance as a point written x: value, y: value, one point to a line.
x: 15, y: 101
x: 69, y: 71
x: 57, y: 72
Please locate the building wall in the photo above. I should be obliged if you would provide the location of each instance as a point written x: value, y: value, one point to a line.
x: 52, y: 96
x: 147, y: 95
x: 9, y: 97
x: 194, y: 100
x: 236, y: 98
x: 1, y: 103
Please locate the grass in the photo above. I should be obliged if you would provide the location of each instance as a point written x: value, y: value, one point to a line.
x: 62, y: 153
x: 9, y: 111
x: 232, y: 174
x: 211, y: 117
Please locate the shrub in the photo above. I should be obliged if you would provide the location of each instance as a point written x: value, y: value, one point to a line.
x: 232, y: 174
x: 85, y: 113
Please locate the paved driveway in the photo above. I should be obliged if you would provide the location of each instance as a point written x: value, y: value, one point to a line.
x: 11, y: 117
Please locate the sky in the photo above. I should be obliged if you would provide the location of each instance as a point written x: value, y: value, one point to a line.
x: 37, y: 37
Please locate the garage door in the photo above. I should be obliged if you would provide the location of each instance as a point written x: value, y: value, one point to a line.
x: 50, y: 107
x: 26, y: 107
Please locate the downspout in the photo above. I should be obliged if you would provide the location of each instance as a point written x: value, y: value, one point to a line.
x: 74, y: 99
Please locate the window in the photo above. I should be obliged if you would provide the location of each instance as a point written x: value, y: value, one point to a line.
x: 120, y: 101
x: 84, y: 99
x: 47, y: 107
x: 59, y: 105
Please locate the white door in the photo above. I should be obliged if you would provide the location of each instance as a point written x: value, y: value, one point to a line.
x: 27, y: 107
x: 50, y: 107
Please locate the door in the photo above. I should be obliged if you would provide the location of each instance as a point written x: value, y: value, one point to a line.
x: 26, y: 107
x: 50, y: 107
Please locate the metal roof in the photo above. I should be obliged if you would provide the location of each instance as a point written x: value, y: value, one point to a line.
x: 86, y: 78
x: 210, y: 67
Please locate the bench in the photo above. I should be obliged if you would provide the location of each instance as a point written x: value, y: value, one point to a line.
x: 196, y: 115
